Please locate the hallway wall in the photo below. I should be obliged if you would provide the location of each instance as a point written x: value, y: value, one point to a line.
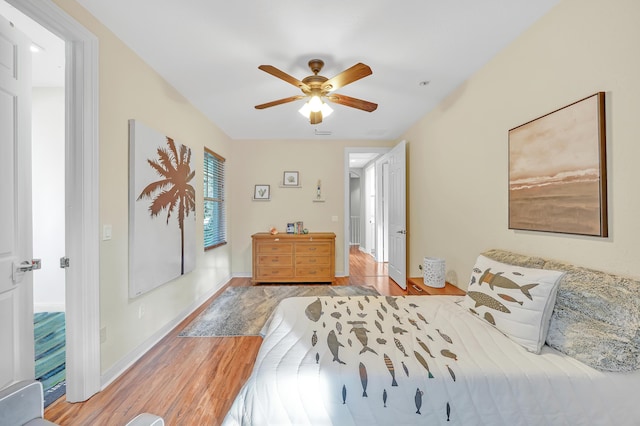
x: 48, y: 162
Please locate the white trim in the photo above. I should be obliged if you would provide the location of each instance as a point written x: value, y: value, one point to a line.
x: 242, y: 275
x: 127, y: 361
x: 82, y: 240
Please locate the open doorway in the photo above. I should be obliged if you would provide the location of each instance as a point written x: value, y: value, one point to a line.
x: 48, y: 195
x: 364, y: 222
x: 81, y: 194
x: 48, y: 199
x: 382, y: 219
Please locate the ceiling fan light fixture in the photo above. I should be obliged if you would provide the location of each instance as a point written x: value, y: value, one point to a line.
x: 326, y: 110
x: 315, y: 103
x: 305, y: 111
x: 309, y: 107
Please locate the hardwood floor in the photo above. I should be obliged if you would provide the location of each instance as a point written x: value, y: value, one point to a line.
x: 193, y: 381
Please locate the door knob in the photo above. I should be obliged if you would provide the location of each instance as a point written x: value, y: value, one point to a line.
x: 25, y: 266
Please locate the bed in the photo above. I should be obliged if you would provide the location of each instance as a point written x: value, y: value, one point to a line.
x: 379, y: 360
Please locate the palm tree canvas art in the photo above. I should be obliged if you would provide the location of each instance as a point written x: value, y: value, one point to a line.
x: 162, y: 209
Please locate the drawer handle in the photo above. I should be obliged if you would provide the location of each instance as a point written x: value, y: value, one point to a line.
x: 312, y: 248
x: 275, y: 261
x: 416, y: 288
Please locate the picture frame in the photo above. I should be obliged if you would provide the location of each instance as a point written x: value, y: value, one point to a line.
x: 291, y: 179
x: 557, y: 171
x: 262, y: 192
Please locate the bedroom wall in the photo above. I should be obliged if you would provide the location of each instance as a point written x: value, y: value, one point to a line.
x: 264, y: 162
x: 129, y: 88
x: 459, y: 152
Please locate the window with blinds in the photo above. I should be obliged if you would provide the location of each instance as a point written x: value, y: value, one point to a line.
x: 215, y: 223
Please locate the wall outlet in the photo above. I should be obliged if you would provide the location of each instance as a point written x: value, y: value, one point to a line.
x: 141, y: 311
x: 103, y: 334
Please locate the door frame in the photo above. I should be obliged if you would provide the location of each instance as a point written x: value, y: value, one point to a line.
x: 82, y: 195
x: 347, y: 218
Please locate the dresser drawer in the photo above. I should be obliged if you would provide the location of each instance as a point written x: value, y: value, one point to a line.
x: 310, y: 272
x: 274, y: 248
x: 313, y: 248
x: 276, y: 260
x: 312, y: 260
x: 267, y: 273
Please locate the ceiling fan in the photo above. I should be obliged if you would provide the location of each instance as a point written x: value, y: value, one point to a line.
x: 316, y: 88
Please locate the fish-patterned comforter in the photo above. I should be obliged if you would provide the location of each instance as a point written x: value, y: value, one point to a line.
x: 378, y: 360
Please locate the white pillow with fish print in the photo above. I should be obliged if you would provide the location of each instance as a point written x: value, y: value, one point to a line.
x: 516, y: 300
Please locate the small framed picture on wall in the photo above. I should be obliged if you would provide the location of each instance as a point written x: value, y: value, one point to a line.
x: 290, y: 179
x: 262, y: 192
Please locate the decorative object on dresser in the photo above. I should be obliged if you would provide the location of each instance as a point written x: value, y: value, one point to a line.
x: 283, y: 258
x: 416, y: 287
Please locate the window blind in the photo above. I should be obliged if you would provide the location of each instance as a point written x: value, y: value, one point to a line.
x: 215, y: 223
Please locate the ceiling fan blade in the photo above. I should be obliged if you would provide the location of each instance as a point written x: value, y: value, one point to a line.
x: 284, y: 76
x: 347, y: 76
x: 279, y: 102
x: 352, y: 102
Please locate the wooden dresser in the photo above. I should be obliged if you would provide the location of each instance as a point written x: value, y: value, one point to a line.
x: 416, y: 287
x: 287, y: 258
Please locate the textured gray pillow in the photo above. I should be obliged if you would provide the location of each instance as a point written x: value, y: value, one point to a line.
x: 516, y: 259
x: 597, y: 318
x: 602, y: 346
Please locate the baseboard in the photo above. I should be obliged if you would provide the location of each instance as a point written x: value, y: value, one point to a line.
x: 127, y: 361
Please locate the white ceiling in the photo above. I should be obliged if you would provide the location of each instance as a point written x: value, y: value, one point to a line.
x: 209, y: 50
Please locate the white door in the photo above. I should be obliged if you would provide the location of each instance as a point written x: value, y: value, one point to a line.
x: 370, y: 210
x: 397, y: 215
x: 16, y: 291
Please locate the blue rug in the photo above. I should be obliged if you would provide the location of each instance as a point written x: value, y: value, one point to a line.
x: 50, y: 343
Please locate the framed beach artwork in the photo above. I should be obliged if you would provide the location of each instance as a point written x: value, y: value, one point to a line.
x: 162, y: 220
x: 557, y: 171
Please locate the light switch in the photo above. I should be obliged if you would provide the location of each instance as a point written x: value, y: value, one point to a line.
x: 334, y: 218
x: 106, y: 232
